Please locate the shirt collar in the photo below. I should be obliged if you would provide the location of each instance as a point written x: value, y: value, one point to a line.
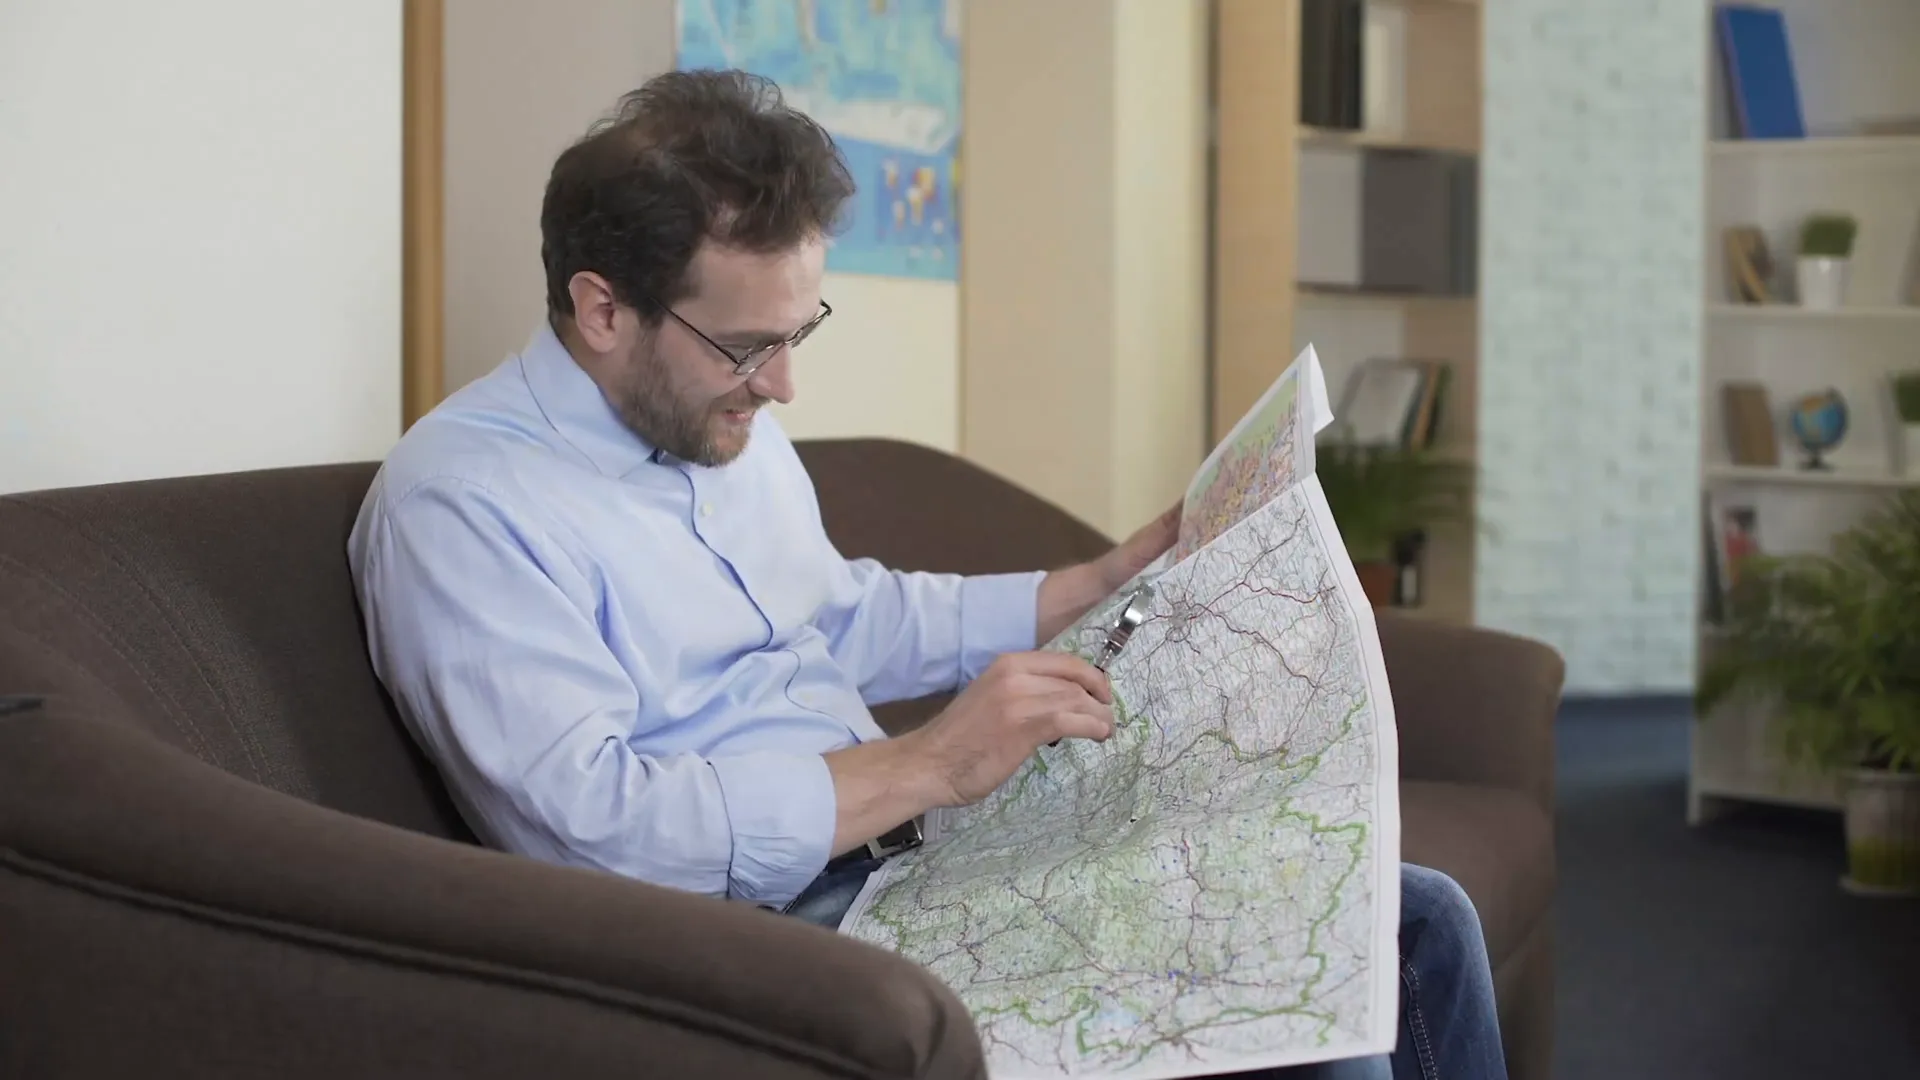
x: 572, y: 402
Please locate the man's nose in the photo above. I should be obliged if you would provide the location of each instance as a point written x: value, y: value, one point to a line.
x: 774, y: 379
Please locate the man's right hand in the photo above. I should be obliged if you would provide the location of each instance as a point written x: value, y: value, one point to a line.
x: 1021, y: 701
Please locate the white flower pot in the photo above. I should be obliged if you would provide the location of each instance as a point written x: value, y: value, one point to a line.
x: 1883, y: 833
x: 1822, y: 282
x: 1909, y: 449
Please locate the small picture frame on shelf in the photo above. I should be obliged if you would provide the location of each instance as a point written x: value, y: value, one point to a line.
x: 1749, y: 266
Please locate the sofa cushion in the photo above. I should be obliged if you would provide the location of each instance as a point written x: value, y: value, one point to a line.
x: 1498, y: 844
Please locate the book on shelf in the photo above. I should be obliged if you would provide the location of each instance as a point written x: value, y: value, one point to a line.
x: 1393, y: 402
x: 1762, y: 92
x: 1332, y: 64
x: 1733, y: 537
x: 1749, y: 423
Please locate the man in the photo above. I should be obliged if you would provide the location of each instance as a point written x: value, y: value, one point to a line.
x: 597, y: 585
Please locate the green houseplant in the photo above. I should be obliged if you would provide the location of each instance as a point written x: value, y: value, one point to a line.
x: 1831, y: 642
x: 1380, y: 494
x: 1828, y: 236
x: 1826, y: 248
x: 1906, y: 403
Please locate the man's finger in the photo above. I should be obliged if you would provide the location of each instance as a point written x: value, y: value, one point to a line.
x: 1066, y: 697
x: 1069, y: 668
x: 1095, y: 724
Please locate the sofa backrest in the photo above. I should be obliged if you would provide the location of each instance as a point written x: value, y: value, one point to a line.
x: 217, y: 612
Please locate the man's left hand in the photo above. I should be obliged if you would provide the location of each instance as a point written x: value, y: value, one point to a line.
x: 1067, y: 594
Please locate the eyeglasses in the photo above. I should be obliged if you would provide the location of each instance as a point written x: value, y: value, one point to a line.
x: 747, y: 361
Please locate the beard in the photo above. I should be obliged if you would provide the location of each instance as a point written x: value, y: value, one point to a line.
x: 699, y: 432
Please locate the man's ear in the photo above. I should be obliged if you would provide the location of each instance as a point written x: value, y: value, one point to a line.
x: 596, y: 314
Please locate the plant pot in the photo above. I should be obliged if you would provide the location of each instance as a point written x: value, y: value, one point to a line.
x: 1376, y: 580
x: 1909, y: 449
x: 1822, y: 282
x: 1883, y: 833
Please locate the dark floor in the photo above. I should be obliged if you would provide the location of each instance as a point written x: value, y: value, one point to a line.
x: 1727, y: 950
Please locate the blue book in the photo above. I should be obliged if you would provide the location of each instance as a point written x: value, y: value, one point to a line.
x: 1760, y: 82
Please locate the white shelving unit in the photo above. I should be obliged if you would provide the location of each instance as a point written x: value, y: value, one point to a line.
x: 1790, y: 476
x: 1796, y: 313
x: 1820, y: 146
x: 1776, y: 185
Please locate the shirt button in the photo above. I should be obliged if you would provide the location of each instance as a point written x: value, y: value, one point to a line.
x: 706, y: 509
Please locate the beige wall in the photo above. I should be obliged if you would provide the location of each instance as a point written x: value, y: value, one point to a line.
x: 522, y: 81
x: 1085, y: 263
x: 1160, y: 257
x: 525, y: 79
x: 1078, y: 366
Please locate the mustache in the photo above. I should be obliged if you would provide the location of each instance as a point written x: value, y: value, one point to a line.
x: 745, y: 402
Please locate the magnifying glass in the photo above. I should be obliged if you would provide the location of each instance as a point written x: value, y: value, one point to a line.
x: 1132, y: 614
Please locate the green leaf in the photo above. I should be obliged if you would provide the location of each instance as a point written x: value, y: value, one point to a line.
x: 1834, y: 639
x: 1379, y: 494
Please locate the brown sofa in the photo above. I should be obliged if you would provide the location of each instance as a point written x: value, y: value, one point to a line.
x: 220, y: 855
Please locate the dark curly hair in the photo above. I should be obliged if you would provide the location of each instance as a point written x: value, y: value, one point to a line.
x: 689, y: 156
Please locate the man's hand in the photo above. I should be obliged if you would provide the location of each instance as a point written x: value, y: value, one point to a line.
x: 1067, y: 594
x: 1021, y: 701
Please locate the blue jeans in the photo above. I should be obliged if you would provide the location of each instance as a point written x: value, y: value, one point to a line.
x: 1448, y: 1028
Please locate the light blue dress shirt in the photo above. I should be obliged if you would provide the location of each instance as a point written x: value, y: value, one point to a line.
x: 624, y: 661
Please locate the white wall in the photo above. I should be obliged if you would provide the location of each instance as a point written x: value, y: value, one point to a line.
x: 524, y: 80
x: 199, y: 236
x: 1591, y: 277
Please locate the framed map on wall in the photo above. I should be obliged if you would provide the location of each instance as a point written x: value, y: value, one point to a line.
x: 883, y: 77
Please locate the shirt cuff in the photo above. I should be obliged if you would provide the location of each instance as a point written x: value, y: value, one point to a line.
x: 999, y: 613
x: 780, y: 810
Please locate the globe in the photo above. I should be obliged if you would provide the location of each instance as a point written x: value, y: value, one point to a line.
x: 1819, y: 421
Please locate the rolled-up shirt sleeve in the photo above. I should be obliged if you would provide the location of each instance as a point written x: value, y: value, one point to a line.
x: 484, y: 631
x: 999, y: 613
x: 906, y: 634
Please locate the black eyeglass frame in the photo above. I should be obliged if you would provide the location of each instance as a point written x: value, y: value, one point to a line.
x: 750, y: 361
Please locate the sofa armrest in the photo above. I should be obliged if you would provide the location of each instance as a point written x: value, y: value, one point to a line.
x: 156, y: 911
x: 1473, y: 706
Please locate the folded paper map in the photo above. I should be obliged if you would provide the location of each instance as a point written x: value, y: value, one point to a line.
x: 1216, y: 887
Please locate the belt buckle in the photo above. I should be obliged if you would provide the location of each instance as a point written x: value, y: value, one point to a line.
x: 904, y: 837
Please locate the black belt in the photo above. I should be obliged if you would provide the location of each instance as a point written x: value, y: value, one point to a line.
x: 904, y: 837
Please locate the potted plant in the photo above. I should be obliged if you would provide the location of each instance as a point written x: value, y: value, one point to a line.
x: 1380, y: 494
x: 1906, y: 403
x: 1826, y: 247
x: 1831, y: 642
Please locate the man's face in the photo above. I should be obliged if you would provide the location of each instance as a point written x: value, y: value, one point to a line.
x: 678, y: 391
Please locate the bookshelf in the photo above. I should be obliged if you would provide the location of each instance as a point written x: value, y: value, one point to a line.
x: 1795, y: 313
x: 1774, y: 184
x: 1788, y: 476
x: 1271, y: 196
x: 1816, y: 146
